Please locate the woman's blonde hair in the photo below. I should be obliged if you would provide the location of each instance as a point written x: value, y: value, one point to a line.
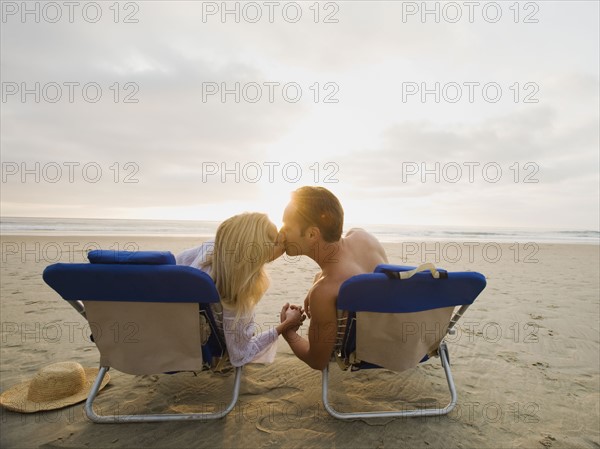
x: 243, y: 244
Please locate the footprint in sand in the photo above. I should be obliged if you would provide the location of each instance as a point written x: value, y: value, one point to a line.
x: 547, y: 441
x: 508, y: 356
x: 536, y: 317
x: 542, y: 365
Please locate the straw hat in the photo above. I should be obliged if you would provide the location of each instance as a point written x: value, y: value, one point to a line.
x: 55, y: 386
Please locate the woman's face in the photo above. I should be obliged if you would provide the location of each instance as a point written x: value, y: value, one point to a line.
x: 278, y: 246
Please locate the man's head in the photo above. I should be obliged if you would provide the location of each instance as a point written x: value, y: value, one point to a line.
x: 313, y: 213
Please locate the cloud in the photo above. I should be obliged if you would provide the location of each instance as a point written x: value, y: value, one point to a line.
x: 524, y: 163
x: 171, y: 56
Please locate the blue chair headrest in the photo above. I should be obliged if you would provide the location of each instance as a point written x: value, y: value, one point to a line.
x: 378, y: 292
x: 140, y: 276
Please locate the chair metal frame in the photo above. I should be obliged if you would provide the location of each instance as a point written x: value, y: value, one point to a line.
x: 444, y: 356
x: 79, y: 306
x: 443, y: 352
x: 93, y: 416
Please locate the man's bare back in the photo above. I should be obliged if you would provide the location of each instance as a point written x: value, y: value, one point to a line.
x: 358, y: 252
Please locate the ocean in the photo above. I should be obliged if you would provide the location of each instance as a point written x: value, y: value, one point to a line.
x: 388, y: 233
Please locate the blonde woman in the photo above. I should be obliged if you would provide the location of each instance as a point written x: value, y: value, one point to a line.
x: 235, y: 260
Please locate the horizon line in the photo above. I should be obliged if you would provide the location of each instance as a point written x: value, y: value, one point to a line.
x: 2, y: 217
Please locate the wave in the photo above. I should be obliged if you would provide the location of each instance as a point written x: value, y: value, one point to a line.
x: 389, y: 233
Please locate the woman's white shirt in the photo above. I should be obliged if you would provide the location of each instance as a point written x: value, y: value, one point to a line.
x: 244, y: 344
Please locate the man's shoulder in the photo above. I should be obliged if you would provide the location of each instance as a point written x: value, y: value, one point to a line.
x: 357, y: 232
x: 364, y: 252
x: 361, y: 238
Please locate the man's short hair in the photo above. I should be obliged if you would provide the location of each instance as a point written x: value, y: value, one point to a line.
x: 317, y: 206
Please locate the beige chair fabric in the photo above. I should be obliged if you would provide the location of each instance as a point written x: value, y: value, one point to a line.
x: 147, y: 337
x: 399, y: 341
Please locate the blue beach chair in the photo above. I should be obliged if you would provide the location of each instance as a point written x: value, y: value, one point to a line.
x: 147, y: 316
x: 396, y: 318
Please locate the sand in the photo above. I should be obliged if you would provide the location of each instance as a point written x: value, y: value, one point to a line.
x: 525, y: 360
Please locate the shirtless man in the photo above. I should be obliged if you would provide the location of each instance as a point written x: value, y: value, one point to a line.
x: 312, y: 226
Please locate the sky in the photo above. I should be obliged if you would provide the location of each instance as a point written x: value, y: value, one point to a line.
x: 413, y: 113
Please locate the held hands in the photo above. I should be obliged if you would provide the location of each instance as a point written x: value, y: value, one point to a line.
x: 291, y: 317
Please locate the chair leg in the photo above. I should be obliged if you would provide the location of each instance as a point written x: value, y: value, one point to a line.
x: 443, y: 351
x: 445, y: 358
x: 93, y: 416
x: 78, y: 305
